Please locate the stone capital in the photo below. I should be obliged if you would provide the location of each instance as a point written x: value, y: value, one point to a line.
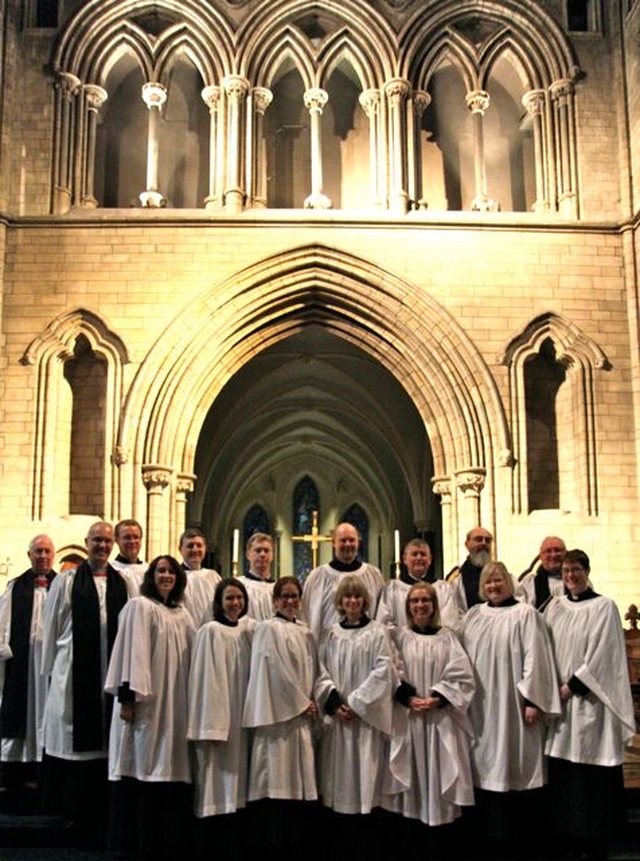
x: 185, y: 483
x: 421, y: 101
x: 154, y: 95
x: 477, y: 101
x: 236, y: 87
x: 471, y: 480
x: 95, y: 96
x: 533, y: 101
x: 561, y: 89
x: 397, y: 88
x: 370, y: 102
x: 315, y: 99
x: 211, y: 97
x: 68, y: 84
x: 441, y: 486
x: 262, y: 98
x: 155, y: 478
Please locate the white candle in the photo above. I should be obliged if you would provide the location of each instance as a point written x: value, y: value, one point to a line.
x: 236, y: 544
x: 396, y: 545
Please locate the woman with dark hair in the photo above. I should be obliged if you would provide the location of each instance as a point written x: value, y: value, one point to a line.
x: 585, y: 744
x: 148, y: 753
x: 217, y: 688
x: 283, y: 697
x: 432, y: 734
x: 509, y: 648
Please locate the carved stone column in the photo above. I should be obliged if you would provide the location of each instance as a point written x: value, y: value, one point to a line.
x: 478, y: 102
x: 156, y: 479
x: 185, y: 483
x: 257, y: 161
x: 370, y: 102
x: 154, y: 96
x: 94, y: 97
x: 236, y: 89
x: 441, y: 486
x: 534, y: 102
x: 397, y: 91
x: 315, y: 100
x: 562, y: 94
x: 471, y: 482
x: 211, y: 97
x: 67, y: 87
x: 420, y: 102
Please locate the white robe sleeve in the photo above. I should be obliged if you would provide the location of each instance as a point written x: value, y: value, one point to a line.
x: 131, y: 656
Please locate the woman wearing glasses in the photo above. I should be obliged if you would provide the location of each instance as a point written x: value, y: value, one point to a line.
x: 281, y: 707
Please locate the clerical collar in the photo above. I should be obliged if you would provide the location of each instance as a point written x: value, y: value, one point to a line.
x: 545, y: 573
x: 125, y: 561
x: 186, y: 567
x: 251, y: 576
x: 587, y: 595
x: 281, y: 616
x: 508, y: 602
x: 429, y: 631
x: 364, y: 620
x: 345, y: 566
x: 220, y: 617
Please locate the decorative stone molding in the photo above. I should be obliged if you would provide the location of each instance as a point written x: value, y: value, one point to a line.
x: 471, y: 481
x: 154, y: 95
x: 477, y: 101
x: 156, y: 478
x: 370, y: 102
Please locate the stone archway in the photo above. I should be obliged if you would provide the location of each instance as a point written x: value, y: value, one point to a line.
x: 393, y: 321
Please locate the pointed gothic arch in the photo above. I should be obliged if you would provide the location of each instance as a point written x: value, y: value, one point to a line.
x: 551, y: 365
x: 80, y: 331
x: 443, y: 372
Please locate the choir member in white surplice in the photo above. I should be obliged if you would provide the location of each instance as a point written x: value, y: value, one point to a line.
x: 586, y: 741
x: 148, y: 749
x: 432, y: 734
x: 284, y: 695
x: 258, y: 581
x: 357, y: 654
x: 509, y: 648
x: 217, y: 689
x: 318, y: 608
x: 201, y: 582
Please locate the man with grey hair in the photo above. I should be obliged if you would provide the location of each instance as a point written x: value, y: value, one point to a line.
x: 537, y: 587
x: 465, y: 578
x: 25, y: 689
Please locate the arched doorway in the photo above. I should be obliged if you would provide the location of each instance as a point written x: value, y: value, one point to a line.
x: 315, y: 405
x: 373, y: 319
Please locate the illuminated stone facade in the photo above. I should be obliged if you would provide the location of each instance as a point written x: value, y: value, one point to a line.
x: 391, y: 247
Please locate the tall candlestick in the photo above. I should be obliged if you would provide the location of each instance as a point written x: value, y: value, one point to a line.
x: 396, y: 553
x: 236, y: 545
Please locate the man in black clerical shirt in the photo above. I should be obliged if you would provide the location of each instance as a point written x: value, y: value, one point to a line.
x: 24, y: 690
x: 466, y: 577
x: 538, y: 587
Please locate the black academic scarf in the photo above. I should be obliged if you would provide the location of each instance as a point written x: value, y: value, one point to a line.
x: 90, y: 724
x: 13, y: 713
x: 470, y: 574
x: 541, y: 586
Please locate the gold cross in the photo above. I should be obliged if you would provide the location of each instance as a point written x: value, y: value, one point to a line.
x: 314, y: 538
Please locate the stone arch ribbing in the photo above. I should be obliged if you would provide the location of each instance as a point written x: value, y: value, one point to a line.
x: 443, y: 374
x: 530, y: 27
x: 97, y: 22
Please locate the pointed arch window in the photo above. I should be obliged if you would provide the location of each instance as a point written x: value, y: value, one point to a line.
x: 78, y: 363
x: 552, y: 403
x: 306, y: 500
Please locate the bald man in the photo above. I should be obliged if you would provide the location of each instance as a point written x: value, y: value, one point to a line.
x: 538, y: 587
x: 320, y: 586
x: 25, y: 689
